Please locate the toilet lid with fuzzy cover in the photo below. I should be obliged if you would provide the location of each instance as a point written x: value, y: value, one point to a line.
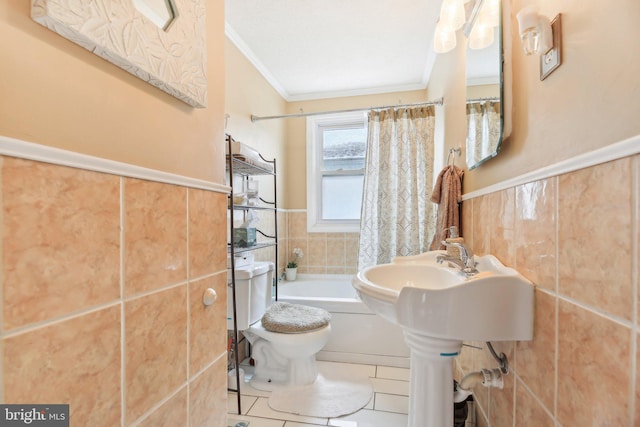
x: 286, y: 318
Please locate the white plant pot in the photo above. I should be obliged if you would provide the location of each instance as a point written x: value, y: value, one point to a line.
x: 291, y: 273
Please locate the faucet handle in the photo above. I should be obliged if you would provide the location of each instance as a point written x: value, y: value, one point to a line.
x: 468, y: 266
x: 464, y: 251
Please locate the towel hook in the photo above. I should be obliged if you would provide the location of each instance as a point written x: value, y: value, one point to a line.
x: 451, y: 158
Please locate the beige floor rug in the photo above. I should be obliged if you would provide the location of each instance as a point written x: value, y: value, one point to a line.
x: 336, y: 392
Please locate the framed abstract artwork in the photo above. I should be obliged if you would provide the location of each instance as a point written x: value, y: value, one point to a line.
x: 162, y: 42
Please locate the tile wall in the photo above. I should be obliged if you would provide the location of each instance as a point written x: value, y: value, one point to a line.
x: 576, y: 238
x: 102, y: 284
x: 324, y: 253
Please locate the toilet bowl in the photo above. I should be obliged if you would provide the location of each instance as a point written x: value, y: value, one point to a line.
x: 284, y: 347
x: 285, y: 358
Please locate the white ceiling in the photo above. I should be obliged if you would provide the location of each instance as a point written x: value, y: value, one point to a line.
x: 312, y: 49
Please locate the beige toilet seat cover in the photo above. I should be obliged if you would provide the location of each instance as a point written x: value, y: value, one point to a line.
x: 288, y: 318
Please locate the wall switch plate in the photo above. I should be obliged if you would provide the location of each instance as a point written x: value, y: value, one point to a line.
x: 552, y: 59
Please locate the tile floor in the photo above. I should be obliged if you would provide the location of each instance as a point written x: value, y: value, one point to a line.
x: 387, y: 408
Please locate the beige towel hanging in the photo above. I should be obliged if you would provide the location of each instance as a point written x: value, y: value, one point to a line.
x: 447, y: 192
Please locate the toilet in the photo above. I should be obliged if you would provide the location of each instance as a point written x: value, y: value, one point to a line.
x: 285, y: 338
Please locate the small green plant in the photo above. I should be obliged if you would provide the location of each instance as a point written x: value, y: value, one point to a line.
x: 297, y: 254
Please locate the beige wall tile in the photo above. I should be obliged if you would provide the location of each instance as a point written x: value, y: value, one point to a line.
x: 502, y: 403
x: 172, y: 413
x: 481, y: 420
x: 297, y: 225
x: 282, y: 255
x: 207, y: 232
x: 636, y: 398
x: 528, y: 412
x: 156, y: 344
x: 336, y: 252
x: 155, y: 238
x: 481, y: 396
x: 283, y: 240
x: 481, y: 224
x: 536, y: 359
x: 61, y: 254
x: 207, y: 324
x: 302, y: 244
x: 535, y: 232
x: 208, y: 397
x: 339, y: 236
x: 501, y: 238
x: 594, y: 242
x: 467, y: 222
x: 317, y: 250
x: 60, y: 240
x: 593, y: 368
x: 465, y: 359
x: 351, y: 255
x: 76, y: 362
x: 591, y: 211
x: 325, y: 253
x: 636, y: 161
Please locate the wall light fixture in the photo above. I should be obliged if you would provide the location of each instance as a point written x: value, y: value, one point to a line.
x: 484, y: 17
x: 444, y: 38
x: 451, y: 19
x: 539, y: 35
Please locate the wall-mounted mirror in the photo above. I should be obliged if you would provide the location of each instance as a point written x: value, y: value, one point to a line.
x: 484, y: 81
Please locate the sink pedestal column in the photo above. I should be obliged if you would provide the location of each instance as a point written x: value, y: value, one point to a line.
x: 431, y: 380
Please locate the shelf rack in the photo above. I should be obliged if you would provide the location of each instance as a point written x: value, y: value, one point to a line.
x: 237, y: 165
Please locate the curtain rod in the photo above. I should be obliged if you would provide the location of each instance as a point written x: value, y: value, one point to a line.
x: 286, y: 116
x: 491, y: 98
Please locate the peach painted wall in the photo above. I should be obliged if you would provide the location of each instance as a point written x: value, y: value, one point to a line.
x: 576, y: 237
x: 247, y: 93
x: 102, y: 275
x: 589, y: 102
x: 56, y: 93
x: 103, y: 278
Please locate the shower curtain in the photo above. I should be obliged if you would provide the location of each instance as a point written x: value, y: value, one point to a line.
x: 398, y: 217
x: 483, y: 129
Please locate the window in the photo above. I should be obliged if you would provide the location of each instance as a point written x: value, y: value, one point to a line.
x: 336, y: 148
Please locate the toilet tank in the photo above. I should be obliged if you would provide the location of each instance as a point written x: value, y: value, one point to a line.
x: 253, y: 293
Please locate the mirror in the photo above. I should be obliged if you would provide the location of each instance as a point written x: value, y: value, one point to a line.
x: 484, y: 81
x: 161, y: 12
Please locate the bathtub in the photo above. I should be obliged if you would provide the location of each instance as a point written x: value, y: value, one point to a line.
x: 357, y: 334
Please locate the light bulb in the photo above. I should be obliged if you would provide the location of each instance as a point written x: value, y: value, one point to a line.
x: 481, y: 37
x: 530, y: 40
x: 444, y: 39
x: 452, y: 14
x: 490, y: 13
x: 535, y: 31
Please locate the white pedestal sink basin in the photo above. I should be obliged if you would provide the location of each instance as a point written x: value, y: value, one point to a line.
x: 438, y: 307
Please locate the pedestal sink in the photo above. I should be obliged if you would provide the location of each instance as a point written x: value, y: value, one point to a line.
x: 438, y: 307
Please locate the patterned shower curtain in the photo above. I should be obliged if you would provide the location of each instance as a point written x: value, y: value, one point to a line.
x: 483, y: 129
x: 398, y: 217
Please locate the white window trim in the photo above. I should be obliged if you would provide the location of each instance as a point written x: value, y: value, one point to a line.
x: 314, y: 223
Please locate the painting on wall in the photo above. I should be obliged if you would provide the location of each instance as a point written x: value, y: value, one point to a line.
x: 162, y: 42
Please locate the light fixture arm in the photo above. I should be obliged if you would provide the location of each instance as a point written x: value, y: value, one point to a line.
x: 472, y: 17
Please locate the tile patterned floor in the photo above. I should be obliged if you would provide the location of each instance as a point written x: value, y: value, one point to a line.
x: 387, y: 408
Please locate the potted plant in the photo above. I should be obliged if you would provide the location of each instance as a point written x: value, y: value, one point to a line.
x: 292, y: 266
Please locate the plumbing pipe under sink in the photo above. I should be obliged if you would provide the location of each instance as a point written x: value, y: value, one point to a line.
x: 486, y: 377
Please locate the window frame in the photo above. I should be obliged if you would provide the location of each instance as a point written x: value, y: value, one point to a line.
x: 315, y: 223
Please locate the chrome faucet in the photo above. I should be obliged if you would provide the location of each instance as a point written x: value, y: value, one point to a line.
x: 465, y: 262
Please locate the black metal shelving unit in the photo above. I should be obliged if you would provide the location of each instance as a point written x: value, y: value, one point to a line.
x: 239, y: 166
